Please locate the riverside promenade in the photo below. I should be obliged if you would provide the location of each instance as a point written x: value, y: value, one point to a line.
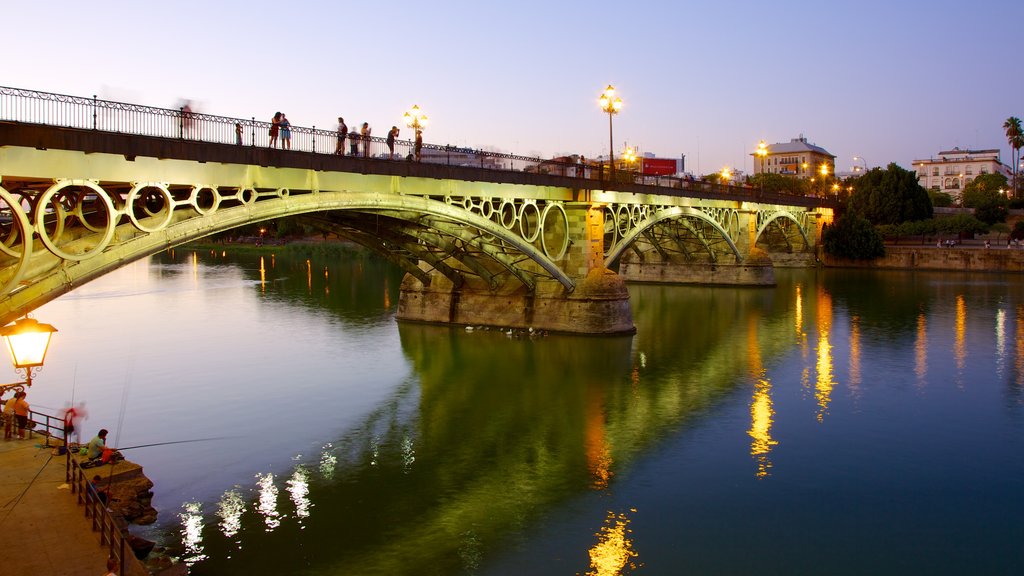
x: 45, y: 530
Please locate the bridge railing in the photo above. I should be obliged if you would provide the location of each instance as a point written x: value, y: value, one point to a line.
x: 35, y: 107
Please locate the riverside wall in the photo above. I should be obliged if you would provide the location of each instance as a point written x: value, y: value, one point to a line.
x: 961, y: 258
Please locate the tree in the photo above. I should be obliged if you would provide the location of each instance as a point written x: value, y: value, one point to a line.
x: 852, y: 236
x: 940, y: 199
x: 1015, y: 138
x: 987, y: 195
x: 890, y: 196
x: 779, y: 184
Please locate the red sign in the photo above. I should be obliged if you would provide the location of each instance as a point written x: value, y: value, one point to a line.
x: 658, y: 166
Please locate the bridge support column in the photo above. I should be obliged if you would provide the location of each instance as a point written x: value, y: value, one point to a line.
x: 598, y: 303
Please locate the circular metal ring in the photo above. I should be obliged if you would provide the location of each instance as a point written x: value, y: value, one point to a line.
x: 565, y: 236
x: 168, y: 206
x: 40, y: 224
x: 524, y: 220
x: 19, y: 223
x: 204, y: 199
x: 507, y: 214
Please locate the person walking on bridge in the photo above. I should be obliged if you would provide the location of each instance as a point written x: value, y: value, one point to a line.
x: 365, y: 133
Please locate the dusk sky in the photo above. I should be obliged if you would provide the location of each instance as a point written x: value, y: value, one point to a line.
x: 891, y: 81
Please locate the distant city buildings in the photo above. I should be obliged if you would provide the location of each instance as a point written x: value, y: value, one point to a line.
x: 795, y: 158
x: 953, y: 169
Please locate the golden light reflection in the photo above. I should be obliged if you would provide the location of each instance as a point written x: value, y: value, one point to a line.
x: 959, y: 346
x: 614, y: 551
x: 1019, y: 362
x: 798, y: 315
x: 309, y: 277
x: 230, y: 509
x: 298, y: 489
x: 1000, y: 341
x: 387, y: 295
x: 761, y: 411
x: 855, y: 354
x: 761, y: 418
x: 192, y: 532
x: 263, y: 276
x: 598, y: 454
x: 195, y: 268
x: 921, y: 350
x: 826, y: 380
x: 268, y: 501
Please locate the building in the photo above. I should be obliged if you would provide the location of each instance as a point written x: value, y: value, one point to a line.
x: 953, y: 169
x: 795, y: 158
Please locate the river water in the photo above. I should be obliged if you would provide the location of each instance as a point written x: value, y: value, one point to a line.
x: 843, y: 422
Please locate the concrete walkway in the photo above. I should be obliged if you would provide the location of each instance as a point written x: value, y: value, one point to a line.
x: 44, y: 529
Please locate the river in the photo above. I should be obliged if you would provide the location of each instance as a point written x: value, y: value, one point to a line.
x: 842, y: 422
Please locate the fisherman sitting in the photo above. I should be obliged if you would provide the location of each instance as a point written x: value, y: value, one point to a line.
x: 94, y: 450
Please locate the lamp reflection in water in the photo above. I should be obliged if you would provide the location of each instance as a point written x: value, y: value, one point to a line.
x: 614, y: 552
x: 268, y: 501
x: 598, y: 453
x: 761, y: 411
x: 921, y: 350
x: 1019, y: 362
x: 826, y: 381
x: 855, y: 355
x: 960, y: 344
x: 298, y: 490
x: 192, y: 532
x: 1001, y: 341
x: 230, y: 509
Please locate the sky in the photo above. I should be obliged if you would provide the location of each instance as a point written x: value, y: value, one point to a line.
x: 888, y: 81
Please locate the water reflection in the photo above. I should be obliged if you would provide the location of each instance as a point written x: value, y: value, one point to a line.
x: 230, y: 509
x: 921, y: 350
x: 613, y: 553
x: 267, y: 503
x: 298, y: 490
x: 192, y: 532
x: 761, y: 411
x: 959, y: 346
x: 826, y: 380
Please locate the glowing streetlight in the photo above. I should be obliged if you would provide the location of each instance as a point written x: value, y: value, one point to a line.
x: 27, y: 341
x: 415, y: 118
x: 611, y: 104
x: 726, y: 175
x: 762, y: 151
x: 863, y: 161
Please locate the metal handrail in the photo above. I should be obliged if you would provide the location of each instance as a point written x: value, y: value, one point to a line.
x: 35, y: 107
x: 102, y: 520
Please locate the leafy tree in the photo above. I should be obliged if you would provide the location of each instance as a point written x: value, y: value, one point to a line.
x: 890, y: 196
x: 940, y: 199
x: 852, y: 236
x: 779, y: 184
x: 1018, y: 230
x: 1000, y: 229
x: 986, y: 194
x: 960, y: 224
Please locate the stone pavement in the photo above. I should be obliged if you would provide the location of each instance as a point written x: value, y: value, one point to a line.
x: 44, y: 529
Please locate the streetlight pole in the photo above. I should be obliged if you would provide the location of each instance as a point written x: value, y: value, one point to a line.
x: 860, y: 159
x: 416, y: 120
x: 762, y: 151
x: 611, y: 104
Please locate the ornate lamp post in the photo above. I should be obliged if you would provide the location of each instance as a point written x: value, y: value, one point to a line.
x: 629, y: 156
x: 415, y: 118
x: 762, y: 151
x: 27, y: 341
x: 611, y: 104
x: 725, y: 175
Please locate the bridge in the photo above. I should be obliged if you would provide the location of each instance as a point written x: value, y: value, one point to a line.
x: 88, y: 185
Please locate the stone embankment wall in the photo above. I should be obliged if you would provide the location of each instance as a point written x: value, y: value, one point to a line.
x: 960, y: 258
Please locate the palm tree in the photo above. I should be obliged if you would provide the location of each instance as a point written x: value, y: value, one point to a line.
x: 1015, y: 137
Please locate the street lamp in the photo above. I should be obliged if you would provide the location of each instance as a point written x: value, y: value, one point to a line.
x: 27, y: 341
x: 762, y: 151
x: 860, y: 159
x: 415, y: 118
x: 726, y: 175
x: 611, y: 104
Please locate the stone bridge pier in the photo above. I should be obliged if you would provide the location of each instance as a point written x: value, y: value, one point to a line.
x: 595, y: 301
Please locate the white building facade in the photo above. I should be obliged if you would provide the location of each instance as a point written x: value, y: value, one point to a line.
x: 953, y: 169
x: 796, y: 158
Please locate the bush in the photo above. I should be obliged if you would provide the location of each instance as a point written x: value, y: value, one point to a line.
x: 852, y: 237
